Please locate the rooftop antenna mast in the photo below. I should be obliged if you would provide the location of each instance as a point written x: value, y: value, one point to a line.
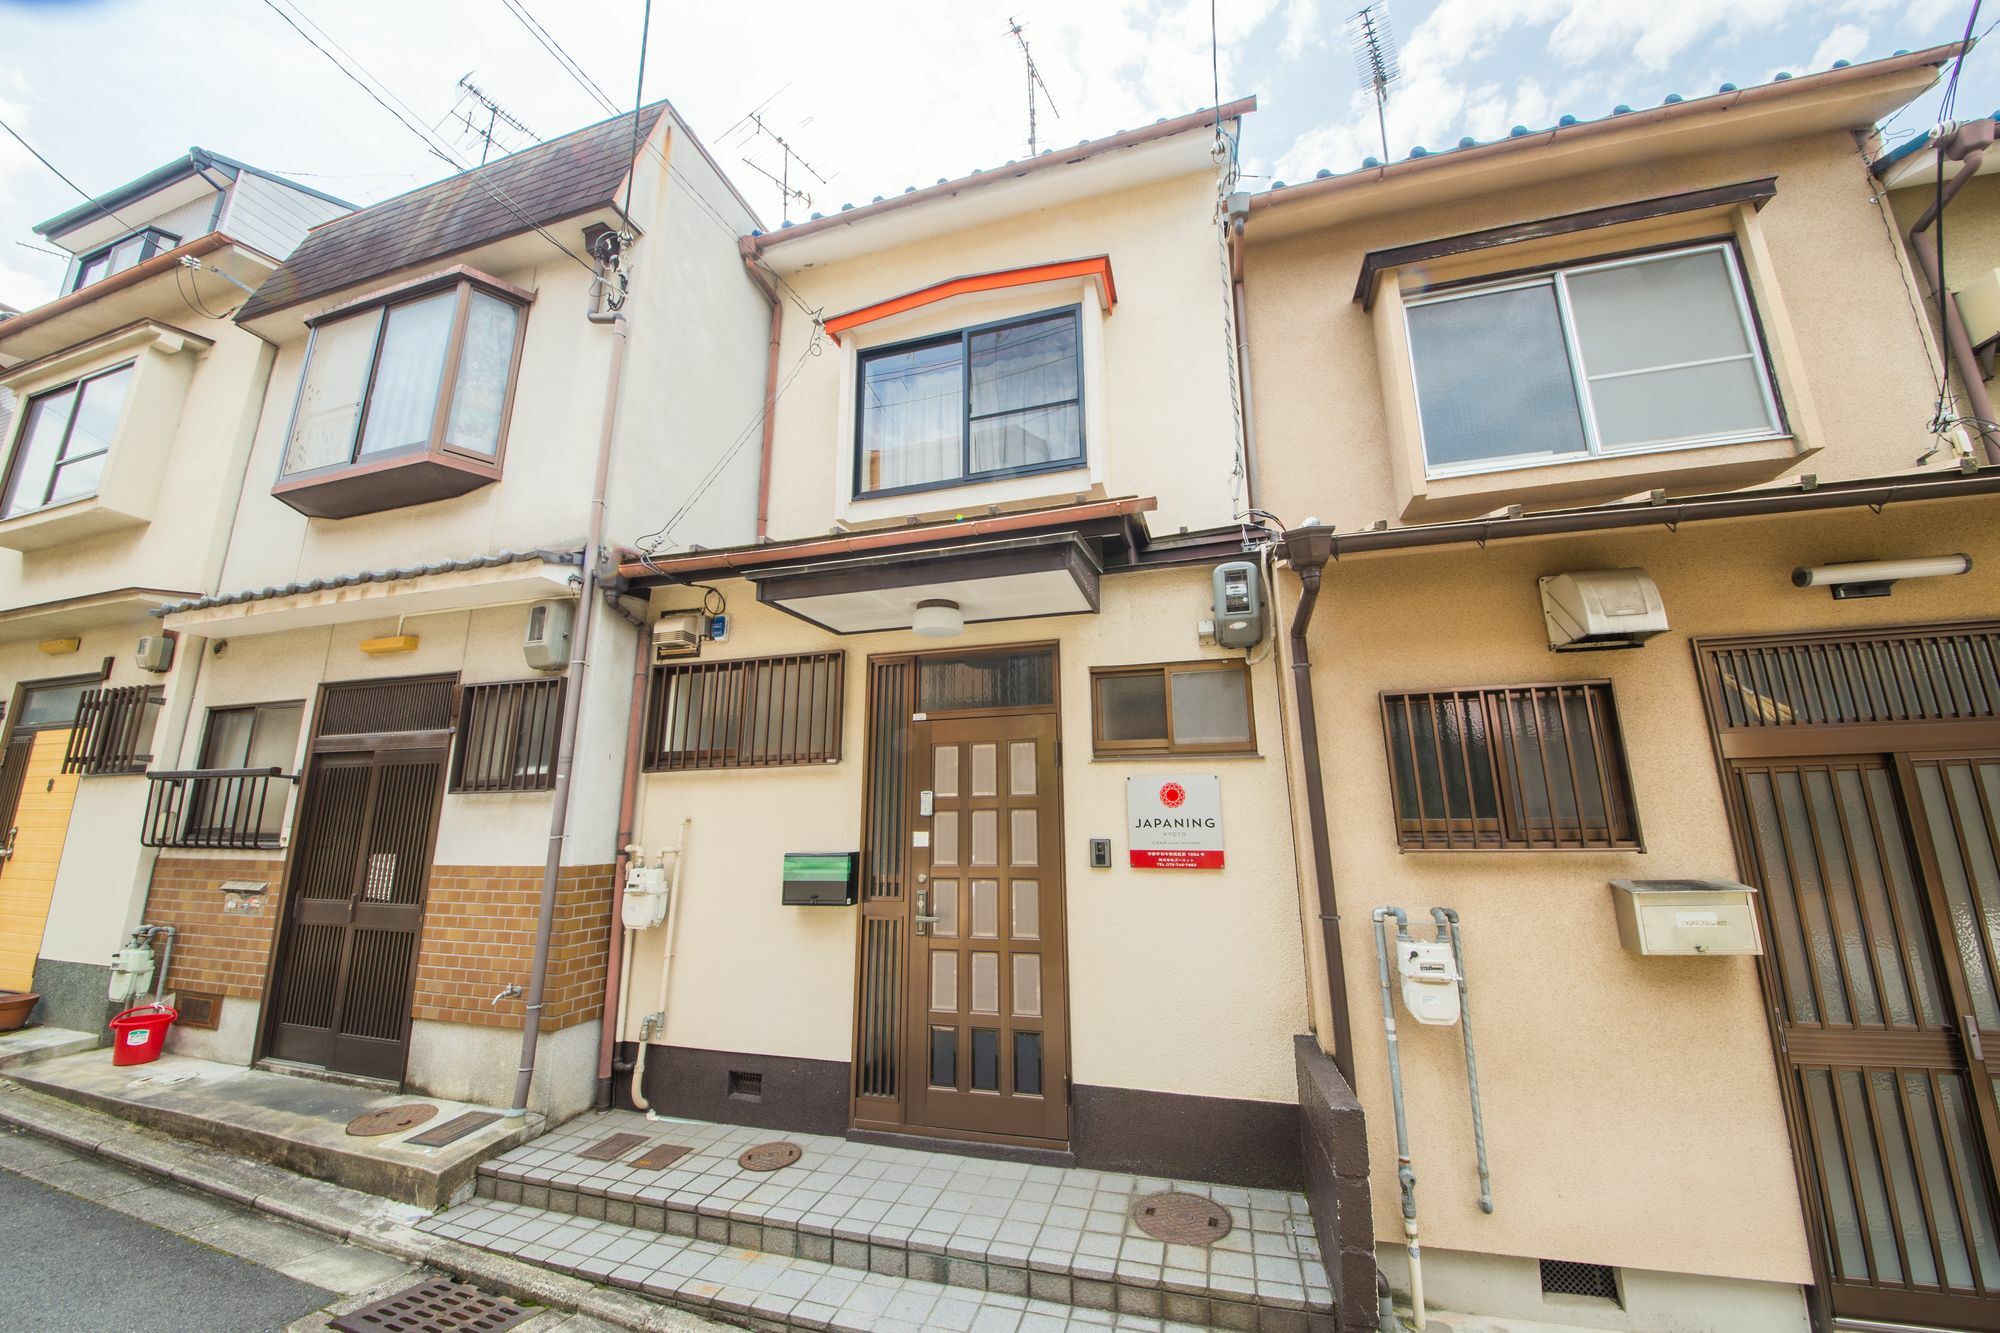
x: 496, y: 116
x: 783, y: 177
x: 1035, y: 84
x: 1374, y: 45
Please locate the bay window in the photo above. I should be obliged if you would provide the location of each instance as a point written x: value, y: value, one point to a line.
x: 997, y: 400
x: 64, y: 438
x: 1630, y: 355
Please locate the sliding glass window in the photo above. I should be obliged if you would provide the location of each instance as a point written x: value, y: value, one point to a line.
x: 998, y: 400
x: 64, y: 439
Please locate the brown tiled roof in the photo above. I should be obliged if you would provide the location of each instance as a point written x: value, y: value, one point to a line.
x: 554, y: 180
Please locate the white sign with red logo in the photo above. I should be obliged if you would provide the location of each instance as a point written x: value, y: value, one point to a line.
x: 1174, y: 823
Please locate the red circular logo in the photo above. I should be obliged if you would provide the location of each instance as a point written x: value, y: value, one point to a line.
x: 1172, y: 795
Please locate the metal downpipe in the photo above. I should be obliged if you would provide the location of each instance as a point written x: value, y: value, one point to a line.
x: 538, y: 976
x: 615, y: 971
x: 1446, y: 919
x: 1406, y: 1174
x: 1967, y: 145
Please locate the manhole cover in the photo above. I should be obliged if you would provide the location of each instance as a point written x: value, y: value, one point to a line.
x: 390, y: 1119
x: 768, y: 1156
x: 661, y: 1155
x: 451, y: 1131
x: 612, y: 1148
x: 441, y: 1305
x: 1182, y: 1219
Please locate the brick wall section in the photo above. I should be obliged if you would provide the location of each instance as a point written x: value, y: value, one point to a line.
x: 213, y: 951
x: 479, y: 935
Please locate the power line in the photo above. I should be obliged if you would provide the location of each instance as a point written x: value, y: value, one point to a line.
x: 638, y: 99
x: 88, y: 196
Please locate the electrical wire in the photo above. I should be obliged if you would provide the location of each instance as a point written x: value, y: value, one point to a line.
x: 193, y: 302
x: 1941, y: 419
x: 57, y: 171
x: 638, y: 98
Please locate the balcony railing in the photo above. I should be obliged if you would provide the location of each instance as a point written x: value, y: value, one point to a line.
x: 240, y: 808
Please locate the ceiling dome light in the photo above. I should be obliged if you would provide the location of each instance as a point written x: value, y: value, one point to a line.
x: 938, y: 618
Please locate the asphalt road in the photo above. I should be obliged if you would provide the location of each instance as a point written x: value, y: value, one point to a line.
x: 68, y: 1265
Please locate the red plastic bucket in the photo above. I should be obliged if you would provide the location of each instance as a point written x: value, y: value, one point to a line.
x: 139, y: 1035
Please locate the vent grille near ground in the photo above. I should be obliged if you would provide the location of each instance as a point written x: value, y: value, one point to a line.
x: 441, y: 1305
x: 1563, y: 1277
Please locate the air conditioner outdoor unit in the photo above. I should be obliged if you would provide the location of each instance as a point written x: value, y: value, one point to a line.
x: 677, y: 636
x: 1601, y: 608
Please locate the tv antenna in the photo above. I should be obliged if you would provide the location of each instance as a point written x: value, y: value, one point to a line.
x: 1035, y: 84
x: 496, y: 116
x: 1374, y: 45
x: 782, y: 178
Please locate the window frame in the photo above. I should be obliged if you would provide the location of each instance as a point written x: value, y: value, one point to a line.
x: 471, y: 697
x: 963, y: 338
x: 256, y: 710
x: 196, y: 832
x: 1554, y: 277
x: 23, y: 418
x: 1510, y: 829
x: 435, y: 444
x: 734, y: 694
x: 1143, y: 749
x: 153, y: 241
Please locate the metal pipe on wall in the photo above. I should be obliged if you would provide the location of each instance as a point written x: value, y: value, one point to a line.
x: 1967, y: 146
x: 1406, y: 1174
x: 655, y: 1023
x: 1446, y: 919
x: 618, y: 962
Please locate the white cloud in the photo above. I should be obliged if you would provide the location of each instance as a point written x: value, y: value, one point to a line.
x: 1847, y: 42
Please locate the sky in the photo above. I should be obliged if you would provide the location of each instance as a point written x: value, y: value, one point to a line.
x: 874, y: 95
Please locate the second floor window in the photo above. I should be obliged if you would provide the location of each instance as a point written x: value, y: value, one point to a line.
x: 65, y: 435
x: 998, y: 400
x: 432, y: 372
x: 1626, y: 356
x: 121, y: 255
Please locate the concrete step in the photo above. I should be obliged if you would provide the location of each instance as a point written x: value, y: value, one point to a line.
x: 294, y: 1123
x: 1064, y: 1235
x: 27, y: 1046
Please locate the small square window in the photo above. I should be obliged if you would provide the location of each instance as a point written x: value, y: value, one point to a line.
x: 506, y: 738
x: 1172, y: 708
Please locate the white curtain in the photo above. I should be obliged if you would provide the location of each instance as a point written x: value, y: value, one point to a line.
x: 912, y: 418
x: 408, y: 371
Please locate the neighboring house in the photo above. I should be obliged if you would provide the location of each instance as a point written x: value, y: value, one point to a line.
x: 1003, y: 471
x: 1676, y: 354
x: 356, y: 819
x: 135, y: 401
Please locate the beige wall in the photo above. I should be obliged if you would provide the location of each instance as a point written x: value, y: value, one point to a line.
x: 1180, y: 981
x: 1322, y: 420
x: 1632, y: 1109
x: 1971, y: 226
x: 1156, y: 388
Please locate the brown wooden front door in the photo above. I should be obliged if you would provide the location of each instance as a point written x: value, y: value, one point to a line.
x: 988, y: 1035
x: 345, y: 968
x: 1883, y: 909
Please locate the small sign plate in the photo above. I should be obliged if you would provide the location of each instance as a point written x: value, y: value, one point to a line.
x: 1174, y: 822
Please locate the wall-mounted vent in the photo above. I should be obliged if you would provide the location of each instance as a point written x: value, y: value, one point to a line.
x: 748, y: 1087
x: 198, y: 1009
x: 1563, y: 1277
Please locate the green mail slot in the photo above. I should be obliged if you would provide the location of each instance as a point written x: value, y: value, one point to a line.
x: 819, y: 879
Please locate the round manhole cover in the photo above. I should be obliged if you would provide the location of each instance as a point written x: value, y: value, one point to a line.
x: 1182, y: 1219
x: 768, y: 1156
x: 390, y: 1119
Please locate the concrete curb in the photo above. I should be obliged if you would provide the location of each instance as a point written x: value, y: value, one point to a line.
x: 382, y: 1225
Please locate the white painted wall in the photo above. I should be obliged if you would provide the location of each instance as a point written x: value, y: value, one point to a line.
x: 271, y: 216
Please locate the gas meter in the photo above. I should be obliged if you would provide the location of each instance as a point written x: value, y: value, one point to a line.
x: 1430, y: 980
x: 645, y: 895
x: 131, y: 972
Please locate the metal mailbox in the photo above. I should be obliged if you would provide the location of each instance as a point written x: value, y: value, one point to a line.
x: 819, y: 879
x: 1687, y: 916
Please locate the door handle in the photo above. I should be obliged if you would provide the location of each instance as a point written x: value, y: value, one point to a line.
x: 8, y: 851
x: 1969, y: 1031
x: 923, y: 906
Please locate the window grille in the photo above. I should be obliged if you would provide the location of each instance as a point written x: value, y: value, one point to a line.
x: 754, y: 713
x: 1515, y: 768
x: 507, y: 736
x: 1564, y: 1277
x: 114, y: 730
x: 1943, y: 674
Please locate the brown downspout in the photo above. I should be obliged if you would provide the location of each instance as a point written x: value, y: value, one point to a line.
x: 765, y: 286
x: 1965, y: 146
x: 628, y: 804
x: 1307, y: 550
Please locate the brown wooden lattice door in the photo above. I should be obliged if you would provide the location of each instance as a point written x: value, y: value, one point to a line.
x: 1882, y: 903
x: 987, y: 1029
x: 342, y: 984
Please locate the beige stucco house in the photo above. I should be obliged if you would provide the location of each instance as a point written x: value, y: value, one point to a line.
x: 135, y: 398
x: 1629, y: 384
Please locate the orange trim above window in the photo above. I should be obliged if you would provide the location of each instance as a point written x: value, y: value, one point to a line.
x: 1098, y: 267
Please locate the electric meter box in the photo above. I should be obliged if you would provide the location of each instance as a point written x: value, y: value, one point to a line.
x: 1238, y: 609
x: 546, y: 643
x: 819, y: 879
x: 1687, y: 916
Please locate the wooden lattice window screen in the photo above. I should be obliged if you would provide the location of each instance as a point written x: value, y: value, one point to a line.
x: 756, y: 712
x: 1513, y: 768
x: 506, y: 737
x: 1945, y: 673
x: 113, y: 732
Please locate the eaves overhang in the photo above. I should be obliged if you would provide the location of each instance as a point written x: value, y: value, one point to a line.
x: 68, y: 617
x: 141, y: 291
x: 1020, y: 578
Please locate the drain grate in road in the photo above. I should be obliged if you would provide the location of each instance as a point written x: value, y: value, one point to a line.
x: 612, y: 1148
x: 452, y: 1130
x: 440, y: 1305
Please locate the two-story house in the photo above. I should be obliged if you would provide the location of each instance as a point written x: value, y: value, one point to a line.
x: 368, y: 847
x: 1662, y: 382
x: 987, y: 843
x: 134, y: 400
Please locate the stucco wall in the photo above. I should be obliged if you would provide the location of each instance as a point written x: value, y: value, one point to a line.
x: 1632, y: 1108
x: 1180, y: 981
x: 1971, y: 225
x: 1164, y: 392
x: 1320, y: 408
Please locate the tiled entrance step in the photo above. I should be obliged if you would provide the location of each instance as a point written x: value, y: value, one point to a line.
x: 978, y: 1227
